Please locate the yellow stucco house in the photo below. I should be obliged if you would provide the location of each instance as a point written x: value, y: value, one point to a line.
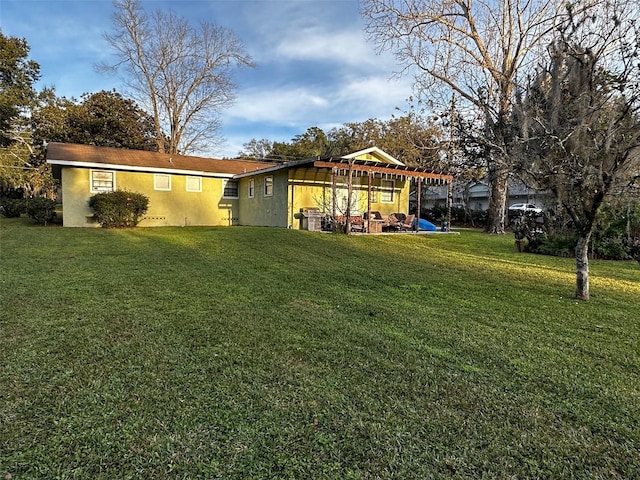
x: 186, y: 190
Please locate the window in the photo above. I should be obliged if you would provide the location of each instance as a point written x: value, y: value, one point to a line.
x: 387, y: 187
x: 162, y: 182
x: 194, y: 184
x: 102, y: 181
x: 268, y: 186
x: 252, y: 187
x: 230, y: 189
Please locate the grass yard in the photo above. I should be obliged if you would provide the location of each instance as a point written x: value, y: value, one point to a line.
x: 256, y: 353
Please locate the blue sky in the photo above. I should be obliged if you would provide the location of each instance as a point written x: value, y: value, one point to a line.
x: 314, y: 65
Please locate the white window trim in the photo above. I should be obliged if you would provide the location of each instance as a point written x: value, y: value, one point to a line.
x: 224, y: 187
x: 265, y: 186
x: 191, y: 189
x: 155, y: 182
x: 113, y: 175
x: 386, y: 190
x: 251, y: 192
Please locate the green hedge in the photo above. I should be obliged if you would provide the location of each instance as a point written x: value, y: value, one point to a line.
x: 12, y: 207
x: 42, y: 210
x: 119, y: 209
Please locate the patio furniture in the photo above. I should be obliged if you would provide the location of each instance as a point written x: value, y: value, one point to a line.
x: 391, y: 223
x: 407, y: 224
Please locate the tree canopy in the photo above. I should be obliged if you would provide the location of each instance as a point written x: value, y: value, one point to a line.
x: 18, y: 75
x: 411, y: 138
x: 104, y: 118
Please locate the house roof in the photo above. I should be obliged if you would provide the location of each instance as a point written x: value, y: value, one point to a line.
x: 371, y: 160
x: 90, y: 156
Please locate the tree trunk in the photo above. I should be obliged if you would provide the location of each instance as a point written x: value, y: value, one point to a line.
x: 498, y: 182
x: 582, y: 267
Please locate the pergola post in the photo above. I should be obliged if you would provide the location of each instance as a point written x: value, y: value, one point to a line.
x: 449, y: 202
x: 419, y: 198
x: 334, y: 193
x: 369, y: 181
x: 349, y: 194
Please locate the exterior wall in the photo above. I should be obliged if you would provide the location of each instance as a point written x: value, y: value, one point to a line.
x: 263, y: 210
x: 176, y: 207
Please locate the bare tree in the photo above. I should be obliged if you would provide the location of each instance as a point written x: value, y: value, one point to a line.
x: 475, y: 50
x: 182, y: 75
x: 580, y: 118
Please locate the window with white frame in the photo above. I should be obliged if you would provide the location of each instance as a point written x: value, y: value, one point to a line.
x: 252, y: 187
x: 268, y: 186
x: 386, y: 190
x: 162, y: 182
x: 103, y: 181
x: 230, y: 189
x: 194, y: 184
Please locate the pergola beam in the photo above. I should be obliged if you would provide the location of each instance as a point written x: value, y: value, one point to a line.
x: 402, y: 170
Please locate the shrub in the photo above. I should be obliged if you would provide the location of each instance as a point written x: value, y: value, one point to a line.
x: 42, y: 210
x: 119, y: 209
x: 12, y: 207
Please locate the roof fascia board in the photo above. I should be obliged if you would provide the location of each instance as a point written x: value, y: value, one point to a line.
x: 376, y: 151
x: 129, y: 168
x: 406, y: 172
x: 281, y: 166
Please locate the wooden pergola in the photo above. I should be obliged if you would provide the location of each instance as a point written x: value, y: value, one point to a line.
x: 349, y: 167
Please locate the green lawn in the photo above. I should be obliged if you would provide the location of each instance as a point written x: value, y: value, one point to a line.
x: 257, y: 353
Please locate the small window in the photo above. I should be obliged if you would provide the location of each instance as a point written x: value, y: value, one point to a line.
x: 252, y: 187
x: 230, y: 189
x: 102, y: 181
x: 386, y: 195
x: 162, y: 182
x: 268, y: 186
x: 194, y: 184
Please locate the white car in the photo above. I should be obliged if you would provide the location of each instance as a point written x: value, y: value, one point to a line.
x: 524, y: 208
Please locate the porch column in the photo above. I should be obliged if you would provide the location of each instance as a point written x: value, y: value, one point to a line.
x: 369, y: 175
x: 449, y: 202
x: 419, y: 199
x: 349, y: 194
x: 334, y: 186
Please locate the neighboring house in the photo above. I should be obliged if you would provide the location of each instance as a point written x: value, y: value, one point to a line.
x: 185, y: 190
x: 475, y: 196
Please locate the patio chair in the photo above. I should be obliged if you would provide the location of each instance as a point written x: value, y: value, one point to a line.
x: 391, y: 223
x: 407, y: 224
x: 357, y: 225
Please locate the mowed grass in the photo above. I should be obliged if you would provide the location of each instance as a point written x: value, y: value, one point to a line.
x: 257, y: 353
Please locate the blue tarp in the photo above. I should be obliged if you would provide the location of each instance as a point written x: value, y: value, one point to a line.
x: 425, y: 225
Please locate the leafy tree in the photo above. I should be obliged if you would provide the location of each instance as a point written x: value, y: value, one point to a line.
x: 256, y: 149
x: 411, y: 138
x: 312, y: 143
x: 20, y: 168
x: 17, y: 77
x: 580, y: 119
x: 476, y: 51
x: 104, y: 118
x: 181, y: 75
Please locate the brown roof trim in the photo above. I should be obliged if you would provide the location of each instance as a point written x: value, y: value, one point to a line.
x: 90, y: 156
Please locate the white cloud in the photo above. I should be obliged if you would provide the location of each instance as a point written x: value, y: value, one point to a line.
x: 277, y: 105
x: 339, y: 48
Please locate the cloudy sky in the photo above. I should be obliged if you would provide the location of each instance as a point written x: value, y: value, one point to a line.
x: 314, y: 65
